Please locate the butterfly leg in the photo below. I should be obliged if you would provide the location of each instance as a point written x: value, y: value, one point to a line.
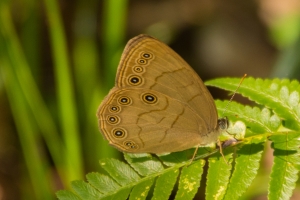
x: 221, y: 151
x: 194, y: 155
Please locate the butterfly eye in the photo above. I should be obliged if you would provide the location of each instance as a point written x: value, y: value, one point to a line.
x: 146, y: 55
x: 119, y: 133
x: 223, y: 123
x: 142, y: 61
x: 124, y: 100
x: 138, y: 69
x: 134, y: 80
x: 113, y: 119
x: 114, y: 109
x: 149, y: 98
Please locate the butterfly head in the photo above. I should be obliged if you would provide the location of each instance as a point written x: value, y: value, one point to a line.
x: 223, y: 123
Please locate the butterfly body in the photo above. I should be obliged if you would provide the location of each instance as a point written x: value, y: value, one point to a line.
x: 159, y: 104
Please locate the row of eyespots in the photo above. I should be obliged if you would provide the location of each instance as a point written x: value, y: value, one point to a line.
x: 120, y: 133
x: 147, y: 98
x: 131, y: 145
x: 144, y: 57
x: 135, y: 80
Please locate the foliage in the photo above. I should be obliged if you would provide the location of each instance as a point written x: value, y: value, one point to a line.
x: 157, y: 176
x: 49, y: 117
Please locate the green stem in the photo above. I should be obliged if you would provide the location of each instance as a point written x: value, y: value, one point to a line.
x: 65, y: 88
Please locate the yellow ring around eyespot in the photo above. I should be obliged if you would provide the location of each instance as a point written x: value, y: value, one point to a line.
x: 146, y: 55
x: 119, y: 133
x: 113, y: 119
x: 149, y: 98
x: 134, y: 80
x: 142, y: 61
x: 124, y: 100
x: 130, y: 145
x: 114, y: 109
x: 138, y: 69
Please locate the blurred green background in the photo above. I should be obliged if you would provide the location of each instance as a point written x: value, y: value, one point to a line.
x: 58, y: 60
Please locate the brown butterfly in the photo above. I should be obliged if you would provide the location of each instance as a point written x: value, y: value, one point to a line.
x: 158, y: 104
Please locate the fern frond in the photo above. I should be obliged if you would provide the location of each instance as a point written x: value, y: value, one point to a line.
x: 218, y: 175
x: 164, y: 184
x: 246, y: 167
x: 67, y: 195
x: 85, y: 190
x: 136, y: 178
x: 145, y: 164
x: 286, y: 165
x: 282, y: 96
x: 257, y: 120
x: 189, y: 180
x: 157, y: 176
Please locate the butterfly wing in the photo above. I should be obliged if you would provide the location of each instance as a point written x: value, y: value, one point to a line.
x: 187, y: 116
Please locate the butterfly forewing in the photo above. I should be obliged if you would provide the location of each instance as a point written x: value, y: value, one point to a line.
x: 165, y: 71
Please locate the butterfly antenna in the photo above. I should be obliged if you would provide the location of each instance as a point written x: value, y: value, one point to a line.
x: 242, y: 79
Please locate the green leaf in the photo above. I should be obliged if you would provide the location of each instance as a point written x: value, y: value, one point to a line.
x: 120, y: 171
x: 286, y: 165
x: 164, y: 185
x: 280, y: 95
x: 144, y: 164
x: 140, y: 191
x: 174, y: 158
x: 140, y: 185
x: 246, y: 167
x: 85, y: 190
x: 190, y: 180
x: 121, y: 194
x: 101, y: 182
x: 258, y: 120
x: 218, y: 175
x: 67, y: 195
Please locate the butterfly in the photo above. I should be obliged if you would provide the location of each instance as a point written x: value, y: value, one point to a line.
x: 158, y: 104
